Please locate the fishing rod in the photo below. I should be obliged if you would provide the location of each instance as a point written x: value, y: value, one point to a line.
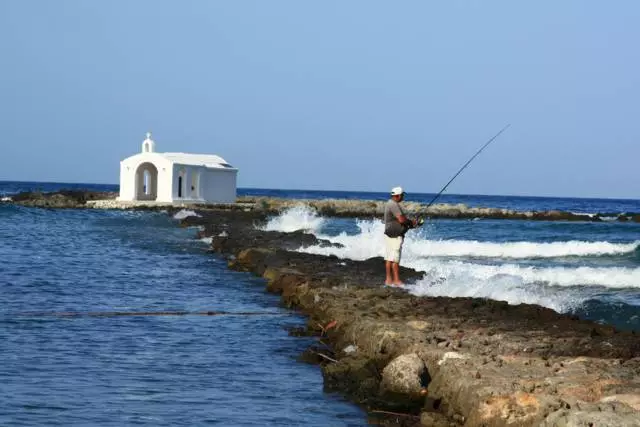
x: 421, y: 220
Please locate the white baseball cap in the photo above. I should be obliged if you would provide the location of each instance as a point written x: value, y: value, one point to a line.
x: 396, y: 191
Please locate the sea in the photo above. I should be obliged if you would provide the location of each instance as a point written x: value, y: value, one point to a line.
x: 76, y: 348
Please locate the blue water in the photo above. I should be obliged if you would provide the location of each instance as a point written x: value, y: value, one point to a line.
x: 235, y: 370
x: 144, y: 370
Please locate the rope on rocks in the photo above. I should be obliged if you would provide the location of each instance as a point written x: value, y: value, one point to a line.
x: 324, y: 356
x: 397, y: 414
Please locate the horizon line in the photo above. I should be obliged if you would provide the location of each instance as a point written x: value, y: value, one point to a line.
x: 356, y: 191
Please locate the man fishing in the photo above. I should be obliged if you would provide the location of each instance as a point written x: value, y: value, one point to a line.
x: 396, y: 224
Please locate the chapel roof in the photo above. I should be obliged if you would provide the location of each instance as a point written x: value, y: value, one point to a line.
x: 207, y: 160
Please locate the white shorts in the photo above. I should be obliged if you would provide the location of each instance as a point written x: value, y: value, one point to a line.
x: 393, y: 248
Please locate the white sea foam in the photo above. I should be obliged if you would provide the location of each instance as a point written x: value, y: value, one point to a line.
x: 517, y: 284
x: 449, y: 272
x: 207, y: 240
x: 609, y: 218
x: 367, y: 244
x: 184, y: 213
x: 590, y: 215
x: 300, y: 217
x: 370, y: 241
x: 471, y: 248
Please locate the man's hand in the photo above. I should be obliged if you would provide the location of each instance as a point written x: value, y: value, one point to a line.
x: 410, y: 223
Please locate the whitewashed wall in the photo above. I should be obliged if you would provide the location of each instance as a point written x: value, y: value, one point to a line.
x: 219, y: 185
x: 128, y: 168
x: 211, y: 185
x: 165, y: 183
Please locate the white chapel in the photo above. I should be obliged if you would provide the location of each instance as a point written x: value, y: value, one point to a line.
x: 176, y: 177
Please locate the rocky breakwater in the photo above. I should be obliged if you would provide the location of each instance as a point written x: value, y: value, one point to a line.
x: 437, y: 361
x: 327, y: 207
x: 80, y: 199
x: 59, y: 199
x: 369, y: 208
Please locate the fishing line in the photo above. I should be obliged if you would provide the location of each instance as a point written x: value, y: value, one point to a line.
x: 421, y: 219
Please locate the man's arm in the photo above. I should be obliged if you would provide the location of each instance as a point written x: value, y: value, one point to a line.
x: 400, y: 216
x: 402, y: 219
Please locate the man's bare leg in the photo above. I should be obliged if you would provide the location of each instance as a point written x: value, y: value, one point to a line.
x: 396, y: 275
x: 388, y: 280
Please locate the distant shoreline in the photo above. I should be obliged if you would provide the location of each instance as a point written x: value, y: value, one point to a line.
x: 347, y: 208
x: 243, y: 190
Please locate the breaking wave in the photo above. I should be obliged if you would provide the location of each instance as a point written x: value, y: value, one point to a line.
x: 522, y: 250
x: 522, y: 284
x: 296, y: 218
x: 450, y: 269
x: 370, y: 241
x: 359, y: 248
x: 184, y: 213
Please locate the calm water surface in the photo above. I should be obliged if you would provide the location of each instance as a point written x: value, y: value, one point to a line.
x: 143, y: 370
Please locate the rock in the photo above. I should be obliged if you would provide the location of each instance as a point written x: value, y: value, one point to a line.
x: 434, y: 419
x: 451, y: 355
x: 419, y: 325
x: 404, y: 375
x: 567, y: 418
x: 632, y: 400
x: 350, y: 349
x: 60, y: 199
x: 355, y: 376
x: 518, y: 409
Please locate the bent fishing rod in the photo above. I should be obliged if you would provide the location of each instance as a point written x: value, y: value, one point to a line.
x: 421, y: 219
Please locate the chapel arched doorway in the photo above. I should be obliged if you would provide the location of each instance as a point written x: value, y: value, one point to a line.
x: 146, y: 182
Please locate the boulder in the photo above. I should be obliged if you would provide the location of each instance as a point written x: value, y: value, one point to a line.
x: 405, y: 375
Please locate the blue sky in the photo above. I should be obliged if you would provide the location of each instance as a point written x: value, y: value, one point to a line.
x: 339, y: 95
